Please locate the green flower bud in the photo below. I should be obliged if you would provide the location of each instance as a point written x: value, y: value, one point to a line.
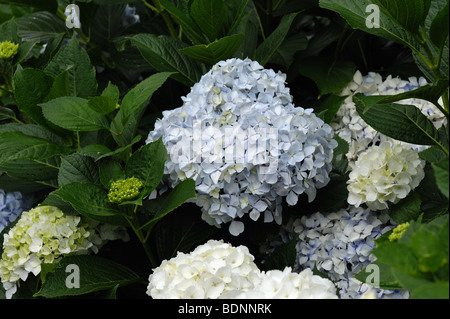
x: 8, y: 49
x: 124, y: 189
x: 398, y: 232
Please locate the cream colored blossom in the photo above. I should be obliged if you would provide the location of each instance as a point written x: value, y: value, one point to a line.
x: 383, y: 174
x: 45, y: 234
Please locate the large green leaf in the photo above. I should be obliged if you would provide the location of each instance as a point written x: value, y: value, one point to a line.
x: 439, y: 28
x: 354, y: 12
x: 401, y: 122
x: 409, y: 14
x: 270, y: 45
x: 90, y: 200
x: 73, y: 113
x: 216, y: 51
x: 40, y: 26
x: 77, y: 168
x: 82, y: 274
x: 441, y: 174
x: 31, y: 87
x: 209, y: 16
x: 140, y: 95
x: 162, y: 53
x: 16, y: 145
x: 75, y: 60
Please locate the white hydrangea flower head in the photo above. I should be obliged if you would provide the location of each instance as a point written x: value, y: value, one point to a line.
x: 45, y: 234
x: 12, y: 204
x: 210, y: 271
x: 353, y: 129
x: 384, y: 174
x: 277, y: 284
x: 246, y: 145
x: 339, y: 244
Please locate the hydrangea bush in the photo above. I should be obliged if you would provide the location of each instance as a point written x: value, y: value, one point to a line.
x: 241, y: 149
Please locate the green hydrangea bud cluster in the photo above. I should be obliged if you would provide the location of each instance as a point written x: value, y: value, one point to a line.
x: 8, y: 49
x: 398, y: 232
x: 124, y: 189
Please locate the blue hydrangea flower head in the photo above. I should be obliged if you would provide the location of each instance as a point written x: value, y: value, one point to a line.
x: 12, y: 204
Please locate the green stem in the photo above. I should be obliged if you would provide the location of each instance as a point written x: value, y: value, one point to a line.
x: 142, y: 239
x: 157, y: 7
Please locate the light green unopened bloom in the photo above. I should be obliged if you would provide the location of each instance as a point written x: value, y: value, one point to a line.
x: 398, y: 232
x: 124, y: 189
x: 8, y: 49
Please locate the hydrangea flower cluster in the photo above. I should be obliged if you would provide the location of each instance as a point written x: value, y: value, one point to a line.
x: 8, y: 49
x: 217, y: 270
x: 209, y: 271
x: 12, y: 204
x: 124, y: 189
x: 339, y: 244
x: 246, y: 145
x: 44, y: 234
x: 383, y: 174
x: 353, y: 129
x: 277, y: 284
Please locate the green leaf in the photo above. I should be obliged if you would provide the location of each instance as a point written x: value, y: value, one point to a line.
x: 188, y: 25
x: 110, y: 171
x: 354, y: 12
x: 406, y: 209
x: 40, y: 26
x: 432, y: 154
x: 162, y: 53
x: 386, y: 278
x: 441, y: 174
x: 439, y: 28
x: 73, y: 113
x: 90, y: 200
x: 6, y: 113
x: 216, y: 51
x: 436, y: 290
x: 270, y: 45
x: 209, y: 16
x: 409, y: 14
x: 340, y: 161
x: 139, y: 96
x: 75, y: 60
x: 31, y: 87
x: 397, y: 255
x: 330, y: 77
x: 170, y: 200
x: 426, y: 246
x: 147, y: 164
x: 111, y: 91
x: 102, y: 104
x: 16, y: 145
x: 401, y: 122
x: 33, y: 130
x: 95, y: 273
x: 60, y: 86
x: 77, y: 168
